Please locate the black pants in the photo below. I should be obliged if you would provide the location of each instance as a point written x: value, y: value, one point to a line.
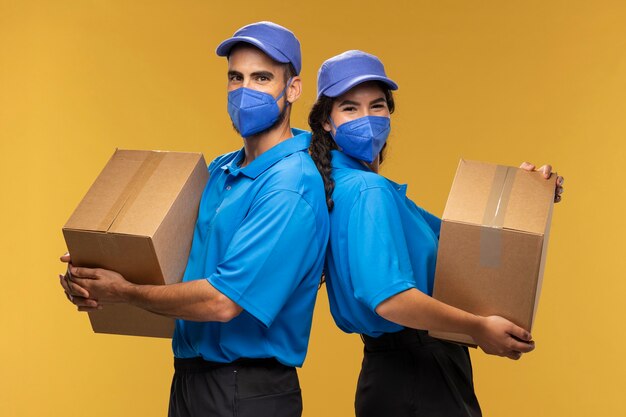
x: 244, y: 388
x: 412, y: 374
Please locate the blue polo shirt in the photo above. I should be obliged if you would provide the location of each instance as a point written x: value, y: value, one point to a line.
x: 260, y: 240
x: 381, y: 244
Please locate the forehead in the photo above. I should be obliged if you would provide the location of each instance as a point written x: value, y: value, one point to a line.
x: 367, y: 91
x: 247, y: 58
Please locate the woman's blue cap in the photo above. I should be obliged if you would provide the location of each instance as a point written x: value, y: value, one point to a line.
x: 277, y: 42
x: 344, y: 71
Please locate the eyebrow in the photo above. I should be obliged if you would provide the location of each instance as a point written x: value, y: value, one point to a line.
x: 354, y: 103
x: 232, y: 73
x: 348, y: 102
x: 265, y: 74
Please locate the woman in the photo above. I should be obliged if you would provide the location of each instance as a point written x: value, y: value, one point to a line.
x: 381, y: 258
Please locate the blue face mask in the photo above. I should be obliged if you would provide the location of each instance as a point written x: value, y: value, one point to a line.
x: 363, y: 138
x: 253, y: 111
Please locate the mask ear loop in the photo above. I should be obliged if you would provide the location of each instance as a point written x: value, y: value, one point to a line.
x: 334, y: 127
x: 283, y: 92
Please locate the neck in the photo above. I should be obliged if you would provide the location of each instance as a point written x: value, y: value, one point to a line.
x: 374, y: 165
x: 255, y: 145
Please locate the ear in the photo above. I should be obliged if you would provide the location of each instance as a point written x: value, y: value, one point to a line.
x: 327, y: 126
x: 294, y: 91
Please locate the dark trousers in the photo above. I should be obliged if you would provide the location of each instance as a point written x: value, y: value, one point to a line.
x: 412, y: 374
x: 244, y: 388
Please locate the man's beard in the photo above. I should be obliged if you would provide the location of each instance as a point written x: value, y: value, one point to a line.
x: 281, y: 118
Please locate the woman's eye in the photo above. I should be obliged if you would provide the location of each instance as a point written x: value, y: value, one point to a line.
x: 348, y: 108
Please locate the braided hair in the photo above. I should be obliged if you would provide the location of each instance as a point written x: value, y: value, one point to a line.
x: 322, y: 142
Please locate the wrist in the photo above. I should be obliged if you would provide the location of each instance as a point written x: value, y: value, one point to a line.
x: 476, y: 325
x: 127, y: 292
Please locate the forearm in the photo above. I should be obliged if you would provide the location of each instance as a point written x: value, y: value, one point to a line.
x: 194, y: 301
x: 414, y: 309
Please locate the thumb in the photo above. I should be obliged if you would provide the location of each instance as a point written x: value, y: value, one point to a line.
x: 520, y: 333
x: 66, y: 257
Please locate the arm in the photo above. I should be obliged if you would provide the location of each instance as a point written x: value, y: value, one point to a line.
x: 380, y: 264
x: 495, y: 335
x: 89, y: 288
x: 195, y: 300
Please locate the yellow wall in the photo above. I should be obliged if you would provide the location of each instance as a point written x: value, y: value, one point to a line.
x: 500, y: 81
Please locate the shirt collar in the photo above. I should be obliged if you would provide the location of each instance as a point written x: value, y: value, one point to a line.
x: 300, y: 141
x: 341, y: 160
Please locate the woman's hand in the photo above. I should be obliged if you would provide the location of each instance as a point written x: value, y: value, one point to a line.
x: 546, y: 170
x: 498, y: 336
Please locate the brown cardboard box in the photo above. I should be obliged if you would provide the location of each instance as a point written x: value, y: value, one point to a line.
x: 493, y: 242
x: 138, y: 219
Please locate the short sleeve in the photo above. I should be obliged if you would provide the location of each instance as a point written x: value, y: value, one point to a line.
x: 271, y: 252
x: 378, y: 257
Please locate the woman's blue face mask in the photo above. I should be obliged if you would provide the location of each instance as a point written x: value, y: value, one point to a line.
x: 253, y: 111
x: 363, y: 138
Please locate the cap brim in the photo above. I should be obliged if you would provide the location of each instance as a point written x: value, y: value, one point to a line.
x: 342, y: 86
x: 224, y: 48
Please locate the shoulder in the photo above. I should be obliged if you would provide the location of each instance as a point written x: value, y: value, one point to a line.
x: 295, y: 172
x: 357, y: 183
x: 222, y: 160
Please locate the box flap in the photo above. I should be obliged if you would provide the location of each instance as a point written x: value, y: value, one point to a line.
x: 133, y: 192
x: 500, y: 196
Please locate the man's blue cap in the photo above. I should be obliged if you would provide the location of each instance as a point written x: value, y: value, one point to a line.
x: 277, y: 42
x: 344, y: 71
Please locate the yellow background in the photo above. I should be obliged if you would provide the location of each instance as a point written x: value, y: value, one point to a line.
x: 499, y: 81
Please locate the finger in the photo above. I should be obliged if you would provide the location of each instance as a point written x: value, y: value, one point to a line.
x: 514, y: 355
x: 88, y: 309
x: 527, y: 166
x: 546, y: 171
x: 72, y: 288
x: 79, y: 287
x: 64, y: 284
x: 521, y: 334
x: 85, y: 302
x: 84, y: 272
x: 65, y: 258
x: 559, y: 190
x: 557, y: 198
x: 523, y: 347
x: 560, y: 180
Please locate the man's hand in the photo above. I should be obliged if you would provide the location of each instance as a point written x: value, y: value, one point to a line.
x: 74, y: 293
x: 498, y: 336
x: 546, y: 170
x: 101, y: 285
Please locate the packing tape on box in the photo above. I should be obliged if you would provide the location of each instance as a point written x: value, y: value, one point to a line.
x: 131, y: 191
x: 493, y: 219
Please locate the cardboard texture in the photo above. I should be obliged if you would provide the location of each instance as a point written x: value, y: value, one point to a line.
x: 138, y: 219
x: 493, y: 243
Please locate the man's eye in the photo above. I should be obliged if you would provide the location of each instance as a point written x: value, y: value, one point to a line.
x: 262, y: 79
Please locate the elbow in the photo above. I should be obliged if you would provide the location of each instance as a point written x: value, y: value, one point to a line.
x: 225, y: 309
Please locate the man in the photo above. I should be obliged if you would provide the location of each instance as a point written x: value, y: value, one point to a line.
x: 246, y: 301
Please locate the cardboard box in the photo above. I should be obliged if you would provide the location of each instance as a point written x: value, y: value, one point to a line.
x: 493, y: 243
x: 138, y: 219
